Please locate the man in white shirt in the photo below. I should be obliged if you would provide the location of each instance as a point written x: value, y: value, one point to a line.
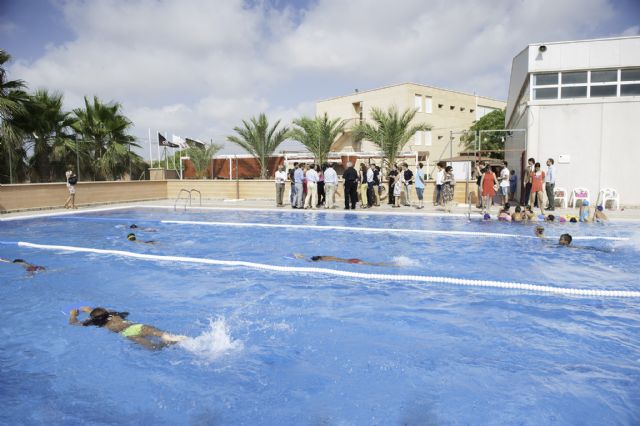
x: 370, y: 192
x: 281, y: 178
x: 439, y: 182
x: 312, y: 188
x: 330, y: 185
x: 504, y: 182
x: 550, y: 183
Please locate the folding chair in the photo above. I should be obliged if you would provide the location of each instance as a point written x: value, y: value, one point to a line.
x: 560, y: 194
x: 609, y: 194
x: 579, y: 194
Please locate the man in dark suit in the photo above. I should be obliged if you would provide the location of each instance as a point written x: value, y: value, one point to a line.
x: 350, y: 177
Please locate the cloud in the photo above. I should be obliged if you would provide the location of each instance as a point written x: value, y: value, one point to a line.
x: 198, y: 67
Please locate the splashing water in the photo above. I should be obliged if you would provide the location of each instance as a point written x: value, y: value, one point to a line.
x: 633, y: 242
x: 213, y: 343
x: 405, y: 261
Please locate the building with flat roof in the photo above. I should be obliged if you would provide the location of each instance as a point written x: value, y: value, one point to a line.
x: 579, y: 102
x: 448, y: 112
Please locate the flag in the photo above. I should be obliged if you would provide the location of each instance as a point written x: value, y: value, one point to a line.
x: 195, y: 142
x: 179, y: 141
x: 162, y: 141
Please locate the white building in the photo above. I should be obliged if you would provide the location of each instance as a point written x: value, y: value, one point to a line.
x: 579, y: 102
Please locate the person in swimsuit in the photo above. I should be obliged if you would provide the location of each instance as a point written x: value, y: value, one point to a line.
x: 134, y: 226
x: 145, y: 335
x: 539, y: 231
x: 337, y: 259
x: 26, y: 265
x: 132, y: 237
x: 565, y: 240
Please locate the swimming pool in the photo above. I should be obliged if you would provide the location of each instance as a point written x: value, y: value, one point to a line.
x: 320, y: 343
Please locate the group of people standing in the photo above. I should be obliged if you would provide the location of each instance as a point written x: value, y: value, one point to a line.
x: 314, y: 187
x: 311, y: 186
x: 537, y: 183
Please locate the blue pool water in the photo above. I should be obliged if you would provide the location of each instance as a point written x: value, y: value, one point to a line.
x: 297, y: 348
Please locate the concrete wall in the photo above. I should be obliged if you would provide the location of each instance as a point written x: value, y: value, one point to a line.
x: 47, y: 195
x: 601, y: 138
x: 53, y: 195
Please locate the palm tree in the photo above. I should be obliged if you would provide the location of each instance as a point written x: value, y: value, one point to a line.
x: 317, y: 134
x: 12, y: 100
x: 260, y: 140
x: 46, y: 128
x: 391, y: 130
x: 200, y: 156
x: 102, y: 131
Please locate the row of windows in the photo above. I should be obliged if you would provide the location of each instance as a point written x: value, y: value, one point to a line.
x: 586, y: 84
x: 424, y: 104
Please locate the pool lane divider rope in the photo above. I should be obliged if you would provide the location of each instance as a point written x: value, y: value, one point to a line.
x: 381, y: 230
x: 312, y: 270
x: 329, y: 228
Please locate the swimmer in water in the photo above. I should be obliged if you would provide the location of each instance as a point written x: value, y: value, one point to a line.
x: 539, y: 231
x: 145, y: 335
x: 565, y: 240
x: 132, y: 237
x: 26, y: 265
x: 598, y: 214
x: 134, y: 226
x: 338, y: 259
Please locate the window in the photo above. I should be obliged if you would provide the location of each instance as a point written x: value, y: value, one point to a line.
x: 471, y: 110
x: 546, y: 79
x: 418, y: 102
x: 608, y: 76
x: 545, y: 86
x: 630, y: 82
x: 574, y: 84
x: 630, y: 75
x: 427, y: 137
x: 604, y: 91
x: 546, y: 93
x: 574, y: 77
x: 573, y: 92
x: 462, y: 108
x: 586, y: 84
x: 630, y: 90
x: 452, y: 107
x: 440, y: 106
x: 439, y: 137
x: 427, y: 105
x: 417, y: 138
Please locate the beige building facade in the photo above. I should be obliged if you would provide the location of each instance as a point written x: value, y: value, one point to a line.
x: 447, y: 112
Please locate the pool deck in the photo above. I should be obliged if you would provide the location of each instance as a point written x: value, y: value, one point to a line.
x: 632, y: 214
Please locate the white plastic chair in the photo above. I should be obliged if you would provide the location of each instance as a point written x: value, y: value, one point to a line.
x: 579, y: 194
x: 560, y: 194
x: 609, y: 194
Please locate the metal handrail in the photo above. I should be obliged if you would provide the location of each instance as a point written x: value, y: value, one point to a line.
x: 199, y: 196
x: 175, y: 204
x: 469, y: 202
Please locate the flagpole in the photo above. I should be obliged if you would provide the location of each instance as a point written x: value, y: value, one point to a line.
x: 166, y: 159
x: 158, y: 151
x: 150, y: 152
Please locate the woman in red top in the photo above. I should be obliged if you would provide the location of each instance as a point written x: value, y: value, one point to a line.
x: 537, y: 186
x: 488, y: 190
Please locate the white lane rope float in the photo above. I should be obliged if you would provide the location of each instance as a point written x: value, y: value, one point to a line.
x: 380, y: 230
x: 312, y: 270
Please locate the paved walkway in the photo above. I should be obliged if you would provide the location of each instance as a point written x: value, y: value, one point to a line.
x: 429, y: 209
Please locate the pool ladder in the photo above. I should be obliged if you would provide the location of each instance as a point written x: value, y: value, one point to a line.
x: 187, y: 200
